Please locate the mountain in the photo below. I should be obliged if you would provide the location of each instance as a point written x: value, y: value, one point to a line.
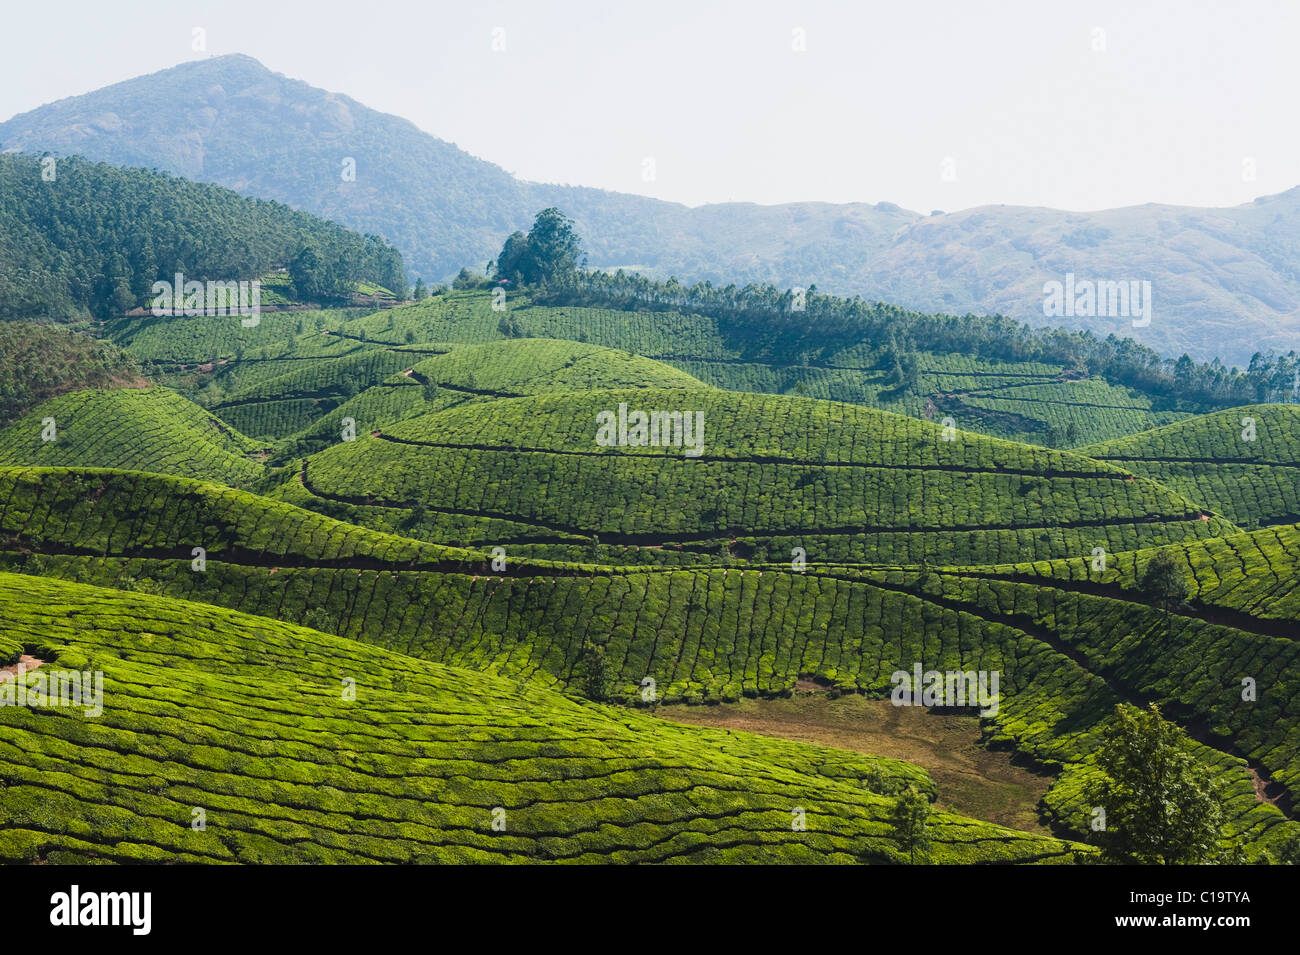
x: 1224, y: 282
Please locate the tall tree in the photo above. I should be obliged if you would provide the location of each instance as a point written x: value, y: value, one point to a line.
x: 308, y: 274
x: 1163, y: 583
x: 550, y: 253
x: 1162, y: 805
x: 910, y: 817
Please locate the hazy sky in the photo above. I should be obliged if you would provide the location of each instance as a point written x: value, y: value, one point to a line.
x: 932, y: 105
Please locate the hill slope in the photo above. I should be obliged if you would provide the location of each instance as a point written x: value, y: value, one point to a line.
x: 146, y: 429
x: 1065, y: 658
x: 766, y: 474
x: 1243, y: 463
x: 249, y: 722
x: 44, y: 361
x: 95, y: 238
x: 1042, y: 396
x: 1231, y: 276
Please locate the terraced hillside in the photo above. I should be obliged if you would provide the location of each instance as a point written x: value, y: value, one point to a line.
x: 1038, y: 402
x: 230, y: 738
x: 477, y: 524
x: 297, y: 399
x: 772, y: 474
x: 699, y: 635
x: 105, y: 511
x: 432, y: 377
x: 1230, y: 679
x: 142, y: 429
x: 1251, y: 579
x: 1243, y: 463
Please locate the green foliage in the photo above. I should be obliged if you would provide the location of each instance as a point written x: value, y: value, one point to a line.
x: 550, y: 253
x: 1161, y: 802
x: 42, y: 362
x: 1240, y: 463
x: 1163, y: 582
x: 770, y: 313
x: 594, y: 677
x: 249, y: 719
x: 910, y: 818
x: 702, y: 635
x: 852, y: 485
x: 142, y: 429
x: 96, y: 238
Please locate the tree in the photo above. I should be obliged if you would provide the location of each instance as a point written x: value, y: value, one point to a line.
x: 421, y: 293
x: 1162, y: 804
x: 910, y: 818
x: 1163, y: 582
x: 593, y: 672
x: 465, y: 279
x: 308, y: 274
x: 1290, y: 852
x: 555, y: 247
x: 514, y: 257
x: 549, y: 253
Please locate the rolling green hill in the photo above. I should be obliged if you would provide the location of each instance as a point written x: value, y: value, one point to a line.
x: 1251, y: 580
x: 701, y: 635
x: 146, y: 429
x: 1243, y: 463
x: 249, y: 723
x: 1052, y: 400
x: 774, y: 473
x: 468, y: 373
x: 1038, y: 401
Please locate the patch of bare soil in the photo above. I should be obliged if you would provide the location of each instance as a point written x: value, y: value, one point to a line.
x: 27, y: 661
x: 971, y: 779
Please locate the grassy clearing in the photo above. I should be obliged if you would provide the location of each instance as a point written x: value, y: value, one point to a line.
x: 969, y: 778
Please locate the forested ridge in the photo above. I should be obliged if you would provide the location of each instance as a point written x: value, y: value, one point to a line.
x: 78, y: 238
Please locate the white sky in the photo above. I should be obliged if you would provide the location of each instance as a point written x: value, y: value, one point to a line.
x: 1184, y: 95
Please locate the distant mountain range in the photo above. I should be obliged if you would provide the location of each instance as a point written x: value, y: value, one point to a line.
x: 1224, y: 282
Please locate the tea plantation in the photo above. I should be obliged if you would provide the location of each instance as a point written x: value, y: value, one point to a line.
x: 403, y: 585
x: 151, y: 429
x: 1243, y: 463
x: 231, y: 738
x: 772, y: 473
